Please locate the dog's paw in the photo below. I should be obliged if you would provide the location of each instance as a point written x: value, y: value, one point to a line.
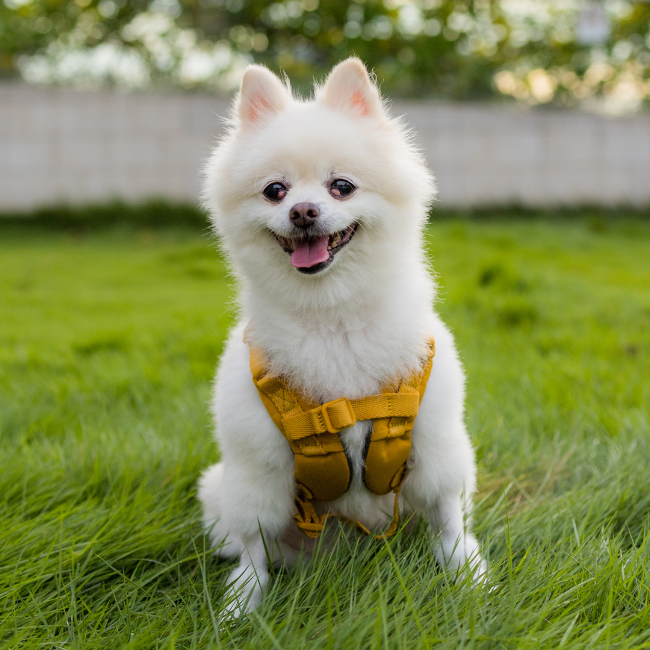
x: 245, y: 591
x: 478, y: 569
x: 463, y: 554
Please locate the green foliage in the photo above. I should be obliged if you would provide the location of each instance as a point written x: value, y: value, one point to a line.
x: 459, y: 49
x: 151, y: 214
x: 108, y: 342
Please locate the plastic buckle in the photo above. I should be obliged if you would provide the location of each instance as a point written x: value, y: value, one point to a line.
x: 326, y: 418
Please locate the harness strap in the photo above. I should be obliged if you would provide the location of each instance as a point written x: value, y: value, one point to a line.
x: 343, y: 413
x: 312, y: 524
x: 322, y: 470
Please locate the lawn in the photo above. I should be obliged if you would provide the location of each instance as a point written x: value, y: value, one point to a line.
x: 108, y: 343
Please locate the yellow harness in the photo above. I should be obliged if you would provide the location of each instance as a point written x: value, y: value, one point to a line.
x: 323, y: 472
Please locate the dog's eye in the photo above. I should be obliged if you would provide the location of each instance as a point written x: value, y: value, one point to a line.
x: 341, y: 187
x: 275, y: 191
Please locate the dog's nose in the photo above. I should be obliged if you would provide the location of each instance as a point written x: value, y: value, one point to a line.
x: 303, y: 215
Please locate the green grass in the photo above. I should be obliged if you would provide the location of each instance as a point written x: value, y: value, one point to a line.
x: 108, y: 343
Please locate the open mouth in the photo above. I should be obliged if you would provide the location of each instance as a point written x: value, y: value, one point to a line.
x: 313, y: 254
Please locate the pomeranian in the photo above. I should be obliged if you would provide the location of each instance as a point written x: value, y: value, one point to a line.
x: 320, y: 207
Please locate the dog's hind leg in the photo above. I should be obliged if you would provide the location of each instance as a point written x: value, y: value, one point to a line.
x: 226, y: 544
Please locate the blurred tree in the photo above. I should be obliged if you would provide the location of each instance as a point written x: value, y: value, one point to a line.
x: 458, y: 49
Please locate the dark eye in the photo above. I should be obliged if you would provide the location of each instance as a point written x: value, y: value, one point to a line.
x: 341, y: 187
x: 275, y: 191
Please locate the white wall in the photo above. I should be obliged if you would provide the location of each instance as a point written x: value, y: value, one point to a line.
x: 59, y: 145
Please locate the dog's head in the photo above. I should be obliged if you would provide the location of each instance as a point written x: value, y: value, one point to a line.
x: 323, y: 193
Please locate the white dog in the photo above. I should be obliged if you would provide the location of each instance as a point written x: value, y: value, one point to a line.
x: 320, y: 206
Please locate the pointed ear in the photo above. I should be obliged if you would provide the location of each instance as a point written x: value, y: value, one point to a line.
x: 349, y: 89
x: 261, y: 96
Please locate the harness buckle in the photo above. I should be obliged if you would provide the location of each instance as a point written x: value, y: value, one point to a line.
x: 342, y: 413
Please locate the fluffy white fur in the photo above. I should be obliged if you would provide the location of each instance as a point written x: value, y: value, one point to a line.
x: 341, y: 332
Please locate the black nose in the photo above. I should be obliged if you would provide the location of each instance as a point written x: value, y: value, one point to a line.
x: 303, y: 215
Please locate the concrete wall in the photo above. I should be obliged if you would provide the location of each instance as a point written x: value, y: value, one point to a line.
x: 59, y: 145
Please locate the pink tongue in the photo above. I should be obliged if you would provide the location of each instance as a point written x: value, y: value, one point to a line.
x: 309, y: 252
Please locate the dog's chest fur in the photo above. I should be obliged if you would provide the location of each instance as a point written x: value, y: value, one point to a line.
x: 354, y: 441
x: 326, y: 361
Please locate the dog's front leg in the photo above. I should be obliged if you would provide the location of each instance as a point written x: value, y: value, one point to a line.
x: 248, y: 581
x: 258, y: 506
x: 456, y: 545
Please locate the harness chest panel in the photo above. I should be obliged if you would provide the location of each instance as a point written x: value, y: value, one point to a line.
x: 322, y: 471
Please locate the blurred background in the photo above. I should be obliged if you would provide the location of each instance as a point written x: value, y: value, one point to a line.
x: 528, y: 102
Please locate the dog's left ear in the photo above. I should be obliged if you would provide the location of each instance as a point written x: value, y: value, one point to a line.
x: 349, y: 88
x: 261, y: 96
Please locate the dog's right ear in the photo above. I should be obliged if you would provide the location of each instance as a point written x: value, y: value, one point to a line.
x: 261, y: 96
x: 350, y: 89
